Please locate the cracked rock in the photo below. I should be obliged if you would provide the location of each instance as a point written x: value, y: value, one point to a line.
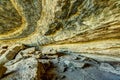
x: 10, y: 53
x: 25, y: 69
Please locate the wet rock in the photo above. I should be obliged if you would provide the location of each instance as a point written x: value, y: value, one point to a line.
x: 2, y: 70
x: 10, y: 53
x: 25, y: 69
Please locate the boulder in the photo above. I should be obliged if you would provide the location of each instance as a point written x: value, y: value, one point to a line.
x: 25, y: 69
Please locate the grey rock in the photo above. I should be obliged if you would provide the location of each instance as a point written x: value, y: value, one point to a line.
x: 67, y: 62
x: 25, y: 69
x: 76, y: 64
x: 62, y: 67
x: 79, y: 64
x: 109, y: 68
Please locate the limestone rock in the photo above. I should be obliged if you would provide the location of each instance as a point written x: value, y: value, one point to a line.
x: 10, y: 53
x: 28, y: 50
x: 79, y: 65
x: 109, y: 68
x: 25, y: 69
x: 89, y: 27
x: 75, y: 64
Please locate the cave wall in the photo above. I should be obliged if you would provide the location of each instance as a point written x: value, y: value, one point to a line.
x: 88, y: 27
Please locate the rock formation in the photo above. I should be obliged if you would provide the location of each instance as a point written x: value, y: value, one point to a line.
x: 59, y: 39
x: 88, y: 27
x: 30, y: 64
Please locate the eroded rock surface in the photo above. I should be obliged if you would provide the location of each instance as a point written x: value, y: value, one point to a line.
x: 31, y: 64
x: 85, y: 26
x: 50, y: 28
x: 26, y: 69
x: 10, y: 53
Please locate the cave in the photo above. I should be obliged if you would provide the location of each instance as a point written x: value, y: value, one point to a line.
x: 60, y: 39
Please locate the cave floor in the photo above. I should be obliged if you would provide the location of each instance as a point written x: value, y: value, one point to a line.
x: 77, y: 67
x: 29, y: 62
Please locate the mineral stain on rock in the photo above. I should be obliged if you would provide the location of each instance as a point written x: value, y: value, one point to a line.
x: 53, y: 28
x: 9, y: 17
x: 90, y: 28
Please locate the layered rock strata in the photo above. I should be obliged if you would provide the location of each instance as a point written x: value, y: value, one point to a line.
x: 90, y: 27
